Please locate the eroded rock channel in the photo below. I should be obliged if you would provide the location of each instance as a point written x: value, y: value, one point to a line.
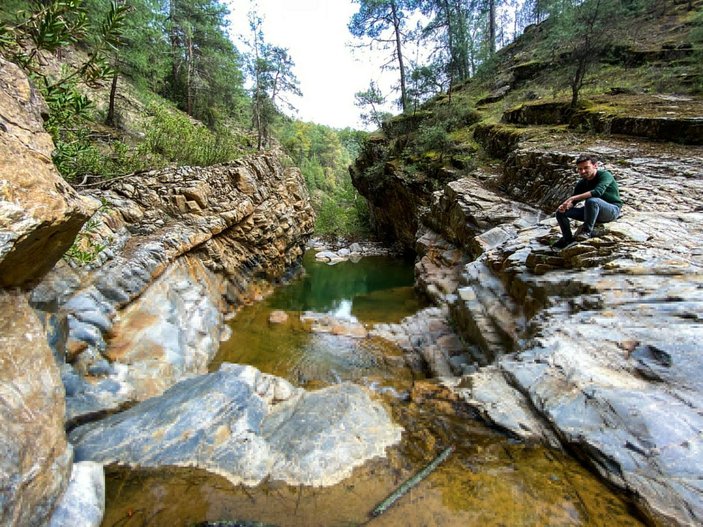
x: 592, y: 351
x: 352, y: 337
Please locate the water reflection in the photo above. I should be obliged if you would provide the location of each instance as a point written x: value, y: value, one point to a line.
x: 374, y: 289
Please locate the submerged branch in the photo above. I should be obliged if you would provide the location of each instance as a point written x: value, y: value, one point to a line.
x: 410, y: 483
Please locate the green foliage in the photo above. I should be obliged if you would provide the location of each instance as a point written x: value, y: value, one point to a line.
x: 697, y: 39
x: 144, y: 55
x: 271, y: 69
x: 54, y: 25
x: 343, y: 214
x: 57, y: 24
x: 176, y: 138
x: 583, y: 30
x: 172, y: 138
x: 371, y: 102
x: 383, y: 23
x: 323, y: 155
x: 85, y: 248
x: 433, y: 138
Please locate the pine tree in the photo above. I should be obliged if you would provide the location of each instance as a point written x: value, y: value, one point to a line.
x: 385, y: 22
x: 271, y: 70
x: 205, y: 67
x: 583, y: 31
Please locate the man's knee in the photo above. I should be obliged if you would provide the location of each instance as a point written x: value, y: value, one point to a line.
x: 592, y: 203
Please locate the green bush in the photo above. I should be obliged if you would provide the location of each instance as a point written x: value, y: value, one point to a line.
x: 343, y: 214
x: 177, y: 138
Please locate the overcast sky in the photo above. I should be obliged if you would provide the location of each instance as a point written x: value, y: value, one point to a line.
x: 315, y: 33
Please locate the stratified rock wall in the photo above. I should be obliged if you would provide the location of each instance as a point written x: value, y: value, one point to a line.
x: 171, y: 249
x: 142, y: 303
x: 395, y: 199
x: 595, y: 346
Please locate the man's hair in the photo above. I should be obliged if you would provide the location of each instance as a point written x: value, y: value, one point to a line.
x: 586, y: 157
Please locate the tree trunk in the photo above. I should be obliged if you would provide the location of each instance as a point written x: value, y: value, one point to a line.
x: 492, y: 25
x: 189, y: 76
x: 110, y: 118
x: 399, y: 52
x: 175, y: 45
x: 450, y: 43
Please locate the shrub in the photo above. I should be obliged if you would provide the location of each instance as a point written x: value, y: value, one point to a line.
x: 177, y: 138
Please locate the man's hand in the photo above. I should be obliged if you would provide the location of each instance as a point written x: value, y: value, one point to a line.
x: 568, y: 203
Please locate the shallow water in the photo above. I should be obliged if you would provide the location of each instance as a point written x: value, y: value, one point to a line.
x: 490, y: 480
x: 375, y: 289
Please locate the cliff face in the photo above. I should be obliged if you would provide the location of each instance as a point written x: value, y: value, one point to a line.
x: 141, y: 306
x: 593, y: 348
x: 180, y: 246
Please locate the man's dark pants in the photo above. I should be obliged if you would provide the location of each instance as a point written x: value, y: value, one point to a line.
x: 594, y: 210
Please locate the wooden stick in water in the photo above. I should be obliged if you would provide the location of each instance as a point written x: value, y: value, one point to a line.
x: 410, y: 483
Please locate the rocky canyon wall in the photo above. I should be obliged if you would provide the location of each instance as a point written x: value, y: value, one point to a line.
x: 594, y: 347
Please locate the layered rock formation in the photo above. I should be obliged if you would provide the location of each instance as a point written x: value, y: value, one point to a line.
x: 170, y: 251
x: 136, y: 305
x: 39, y: 217
x: 593, y: 348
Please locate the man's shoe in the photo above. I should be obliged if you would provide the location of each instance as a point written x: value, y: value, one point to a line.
x: 562, y: 243
x: 584, y: 236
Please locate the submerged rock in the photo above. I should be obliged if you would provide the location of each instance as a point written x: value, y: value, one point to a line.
x: 333, y: 253
x: 278, y: 317
x: 245, y: 426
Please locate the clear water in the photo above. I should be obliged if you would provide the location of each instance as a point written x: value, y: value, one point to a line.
x: 488, y: 481
x: 375, y: 289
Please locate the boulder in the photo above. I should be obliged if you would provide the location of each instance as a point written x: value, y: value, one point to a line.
x: 35, y: 458
x: 246, y: 426
x: 278, y: 317
x: 40, y: 214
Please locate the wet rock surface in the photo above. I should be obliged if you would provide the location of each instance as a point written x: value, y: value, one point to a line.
x: 245, y: 426
x: 339, y: 251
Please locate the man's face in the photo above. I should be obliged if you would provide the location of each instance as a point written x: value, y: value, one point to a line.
x: 587, y: 169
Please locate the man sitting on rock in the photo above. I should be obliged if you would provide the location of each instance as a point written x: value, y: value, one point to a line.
x: 599, y: 190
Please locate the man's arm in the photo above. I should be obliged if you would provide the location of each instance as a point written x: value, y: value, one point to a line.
x: 569, y: 202
x: 604, y: 179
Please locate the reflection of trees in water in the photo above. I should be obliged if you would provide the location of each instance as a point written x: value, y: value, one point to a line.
x: 323, y: 286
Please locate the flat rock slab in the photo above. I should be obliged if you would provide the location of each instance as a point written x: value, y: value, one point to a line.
x: 246, y: 426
